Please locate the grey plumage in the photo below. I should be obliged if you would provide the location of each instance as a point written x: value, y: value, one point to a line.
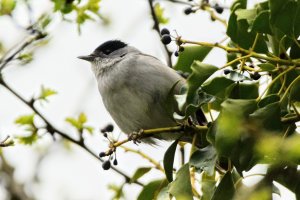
x: 135, y: 88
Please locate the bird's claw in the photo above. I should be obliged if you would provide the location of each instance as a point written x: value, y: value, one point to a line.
x: 135, y: 136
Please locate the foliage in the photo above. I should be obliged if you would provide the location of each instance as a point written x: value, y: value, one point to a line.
x: 252, y: 102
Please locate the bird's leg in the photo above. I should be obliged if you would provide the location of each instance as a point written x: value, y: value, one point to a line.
x: 135, y: 136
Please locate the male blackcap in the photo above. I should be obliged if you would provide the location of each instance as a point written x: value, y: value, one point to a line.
x: 135, y: 88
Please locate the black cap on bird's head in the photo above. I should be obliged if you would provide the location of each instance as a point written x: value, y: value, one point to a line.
x: 105, y: 48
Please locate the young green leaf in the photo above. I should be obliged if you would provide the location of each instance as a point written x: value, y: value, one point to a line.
x: 25, y: 120
x: 159, y: 12
x: 45, y: 93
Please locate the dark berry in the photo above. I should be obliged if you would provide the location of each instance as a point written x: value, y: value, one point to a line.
x: 251, y: 66
x: 227, y: 71
x: 115, y: 162
x: 106, y: 165
x: 166, y: 39
x: 188, y: 11
x: 219, y: 9
x: 282, y: 56
x: 102, y: 154
x: 108, y: 128
x: 181, y: 49
x: 105, y: 135
x: 164, y: 31
x: 255, y: 76
x: 176, y: 53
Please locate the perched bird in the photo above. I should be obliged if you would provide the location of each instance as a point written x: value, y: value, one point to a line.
x: 135, y: 88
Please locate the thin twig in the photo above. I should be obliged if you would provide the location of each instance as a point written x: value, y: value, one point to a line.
x: 27, y: 42
x: 51, y: 129
x: 142, y: 154
x: 157, y: 28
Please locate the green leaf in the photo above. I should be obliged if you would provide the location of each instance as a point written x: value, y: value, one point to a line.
x: 208, y: 186
x: 295, y: 91
x: 73, y: 122
x: 151, y: 190
x: 45, y: 93
x: 189, y: 55
x: 225, y: 189
x: 139, y: 173
x: 268, y: 100
x: 247, y: 14
x: 230, y: 123
x: 244, y: 91
x: 261, y: 23
x: 159, y: 12
x: 201, y: 72
x: 169, y: 161
x: 266, y: 67
x: 118, y: 190
x: 295, y: 50
x: 82, y: 118
x: 7, y: 7
x: 64, y: 6
x: 28, y: 140
x: 238, y: 31
x: 89, y: 129
x: 181, y: 188
x: 205, y: 160
x: 269, y: 117
x: 25, y: 120
x: 285, y: 15
x: 216, y: 85
x: 236, y: 76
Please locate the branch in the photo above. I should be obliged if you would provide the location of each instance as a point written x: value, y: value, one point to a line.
x: 6, y: 142
x: 149, y: 133
x: 28, y: 41
x: 151, y: 160
x: 156, y: 27
x: 52, y: 129
x: 295, y: 62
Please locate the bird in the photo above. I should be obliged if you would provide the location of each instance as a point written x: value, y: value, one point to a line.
x: 136, y: 89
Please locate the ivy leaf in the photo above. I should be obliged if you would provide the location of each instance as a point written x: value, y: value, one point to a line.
x: 181, y: 188
x: 169, y: 160
x: 152, y: 189
x: 225, y: 189
x: 139, y: 173
x: 189, y: 55
x: 159, y: 12
x: 205, y: 159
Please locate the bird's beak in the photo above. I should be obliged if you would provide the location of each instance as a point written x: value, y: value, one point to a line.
x: 89, y: 58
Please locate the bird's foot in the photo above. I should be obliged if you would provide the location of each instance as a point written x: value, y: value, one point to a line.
x: 135, y: 136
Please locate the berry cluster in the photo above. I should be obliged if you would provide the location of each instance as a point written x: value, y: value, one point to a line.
x: 166, y: 39
x: 205, y: 3
x: 106, y: 165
